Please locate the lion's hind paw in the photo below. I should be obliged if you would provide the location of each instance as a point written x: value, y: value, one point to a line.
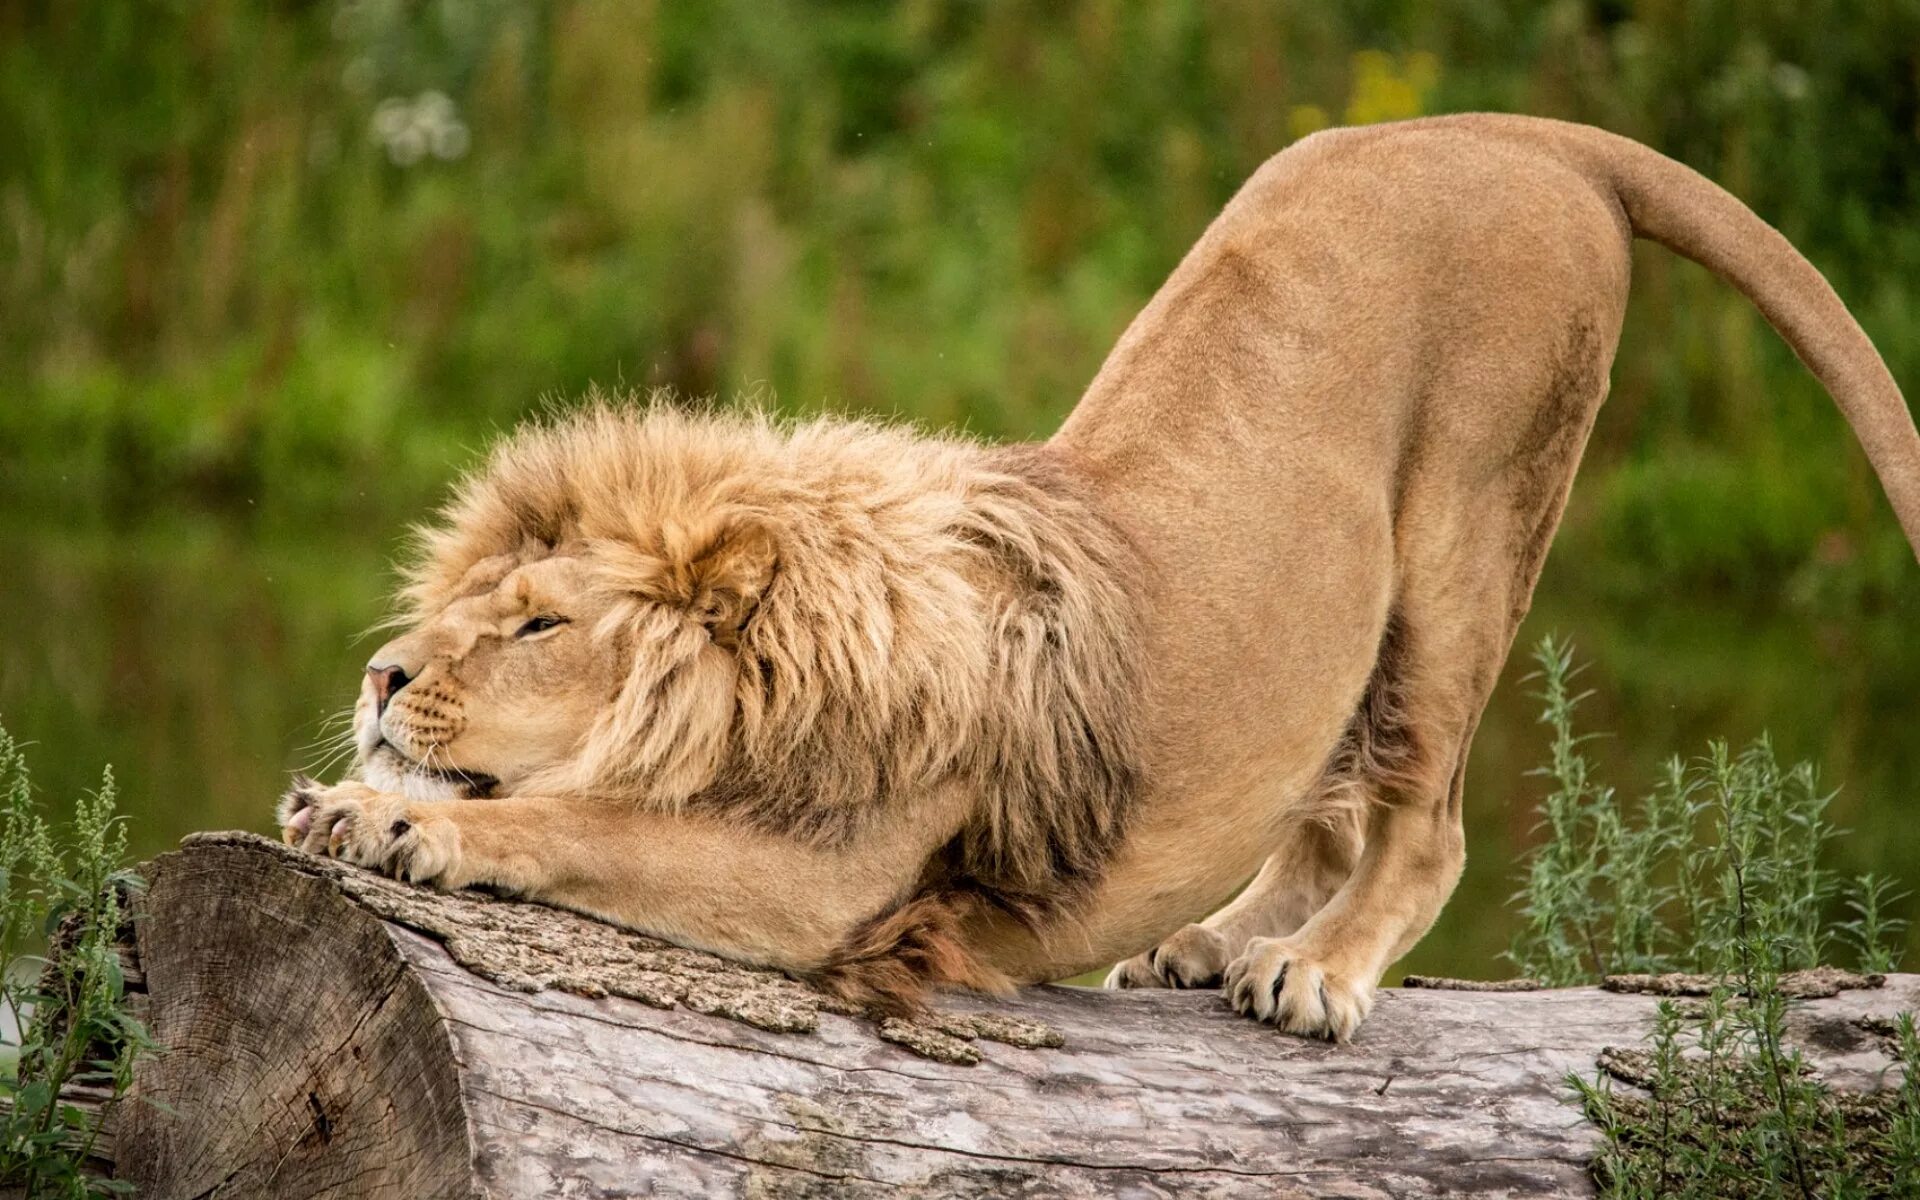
x: 1275, y: 981
x: 1192, y: 957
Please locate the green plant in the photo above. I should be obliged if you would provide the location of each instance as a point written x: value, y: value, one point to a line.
x: 1717, y: 873
x: 1722, y: 1111
x: 69, y: 1006
x: 1723, y: 854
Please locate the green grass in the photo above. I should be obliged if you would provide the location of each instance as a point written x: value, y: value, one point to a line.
x: 1720, y: 871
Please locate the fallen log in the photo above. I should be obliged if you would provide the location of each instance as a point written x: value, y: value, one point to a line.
x: 333, y: 1033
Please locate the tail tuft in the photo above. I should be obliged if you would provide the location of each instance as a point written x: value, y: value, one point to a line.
x: 888, y: 964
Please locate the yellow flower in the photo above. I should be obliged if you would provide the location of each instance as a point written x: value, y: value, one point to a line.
x: 1303, y: 119
x: 1386, y: 88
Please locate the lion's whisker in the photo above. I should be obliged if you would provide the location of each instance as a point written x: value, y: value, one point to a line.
x: 334, y: 744
x: 341, y: 737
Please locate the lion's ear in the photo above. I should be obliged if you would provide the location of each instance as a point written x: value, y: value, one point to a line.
x: 719, y: 568
x: 715, y: 569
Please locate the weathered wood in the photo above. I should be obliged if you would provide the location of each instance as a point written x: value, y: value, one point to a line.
x: 322, y: 1044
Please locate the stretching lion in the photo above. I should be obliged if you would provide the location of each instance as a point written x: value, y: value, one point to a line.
x: 891, y: 711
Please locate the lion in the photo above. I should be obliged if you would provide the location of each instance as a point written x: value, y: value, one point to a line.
x: 893, y: 711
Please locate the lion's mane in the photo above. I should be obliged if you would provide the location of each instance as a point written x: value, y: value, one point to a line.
x: 825, y: 618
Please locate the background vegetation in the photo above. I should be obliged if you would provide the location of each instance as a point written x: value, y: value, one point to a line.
x: 271, y: 272
x: 1714, y: 873
x: 68, y: 1036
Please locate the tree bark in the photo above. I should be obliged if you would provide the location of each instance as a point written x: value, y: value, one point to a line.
x: 331, y: 1033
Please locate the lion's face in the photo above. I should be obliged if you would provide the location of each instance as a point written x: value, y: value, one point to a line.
x: 504, y: 680
x: 604, y: 665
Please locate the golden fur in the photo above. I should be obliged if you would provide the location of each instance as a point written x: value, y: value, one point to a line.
x: 815, y: 624
x: 893, y: 710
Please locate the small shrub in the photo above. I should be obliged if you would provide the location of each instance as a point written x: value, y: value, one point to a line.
x: 69, y: 1007
x: 1715, y: 873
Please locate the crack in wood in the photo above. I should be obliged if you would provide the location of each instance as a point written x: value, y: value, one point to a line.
x: 716, y: 1151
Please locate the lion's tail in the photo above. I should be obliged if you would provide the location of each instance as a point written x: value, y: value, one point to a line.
x: 1679, y: 208
x: 888, y: 964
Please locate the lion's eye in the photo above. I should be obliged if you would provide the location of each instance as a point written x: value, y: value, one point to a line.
x: 539, y: 624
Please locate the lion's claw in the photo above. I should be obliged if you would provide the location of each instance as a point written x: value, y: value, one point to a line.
x: 1275, y: 980
x: 354, y: 823
x: 295, y: 810
x: 1192, y: 957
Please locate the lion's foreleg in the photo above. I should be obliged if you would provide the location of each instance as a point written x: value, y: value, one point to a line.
x: 696, y: 881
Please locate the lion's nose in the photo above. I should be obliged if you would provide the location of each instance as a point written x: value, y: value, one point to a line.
x: 386, y: 681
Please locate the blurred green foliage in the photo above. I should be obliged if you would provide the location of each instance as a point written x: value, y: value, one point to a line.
x: 271, y: 270
x: 253, y: 249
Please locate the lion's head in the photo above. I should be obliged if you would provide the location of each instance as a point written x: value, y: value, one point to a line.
x: 787, y: 624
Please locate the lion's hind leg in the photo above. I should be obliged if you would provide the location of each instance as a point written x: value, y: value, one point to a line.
x: 1300, y: 875
x: 1400, y: 758
x: 1454, y: 619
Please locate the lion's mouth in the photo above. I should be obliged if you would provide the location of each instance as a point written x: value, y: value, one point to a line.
x: 477, y: 784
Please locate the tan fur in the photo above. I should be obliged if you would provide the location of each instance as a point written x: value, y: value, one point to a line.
x: 893, y: 710
x: 804, y: 629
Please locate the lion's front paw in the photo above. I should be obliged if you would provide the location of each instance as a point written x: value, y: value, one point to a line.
x: 1192, y: 957
x: 1275, y: 980
x: 295, y: 810
x: 373, y: 829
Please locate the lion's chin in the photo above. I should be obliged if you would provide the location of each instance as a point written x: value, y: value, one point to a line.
x: 388, y: 770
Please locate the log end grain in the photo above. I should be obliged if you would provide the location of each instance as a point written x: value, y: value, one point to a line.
x: 303, y: 1058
